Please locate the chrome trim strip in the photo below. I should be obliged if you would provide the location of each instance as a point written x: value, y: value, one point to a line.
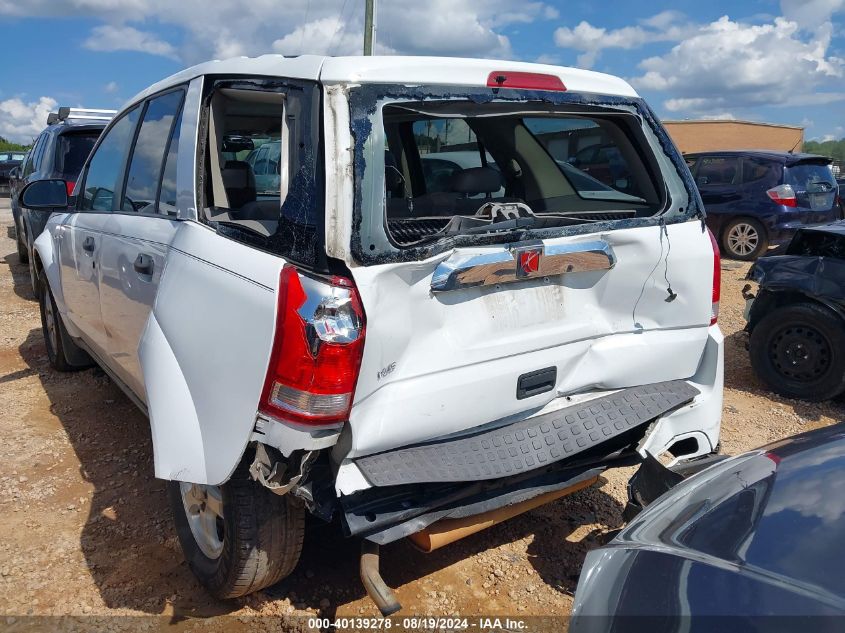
x: 500, y: 267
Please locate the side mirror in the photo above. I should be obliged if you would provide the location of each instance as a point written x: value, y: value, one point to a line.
x: 45, y: 194
x: 13, y: 172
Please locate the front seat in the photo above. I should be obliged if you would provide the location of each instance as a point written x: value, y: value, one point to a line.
x: 239, y: 183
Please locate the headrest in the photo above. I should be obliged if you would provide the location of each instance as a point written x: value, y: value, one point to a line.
x: 476, y: 180
x: 237, y: 174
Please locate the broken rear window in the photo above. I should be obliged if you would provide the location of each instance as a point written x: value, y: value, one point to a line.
x: 459, y: 167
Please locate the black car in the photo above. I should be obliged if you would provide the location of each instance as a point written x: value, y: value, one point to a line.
x: 8, y: 161
x: 796, y: 319
x: 58, y: 152
x: 749, y: 544
x: 756, y: 199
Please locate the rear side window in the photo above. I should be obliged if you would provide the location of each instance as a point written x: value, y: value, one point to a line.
x: 167, y: 195
x: 718, y: 170
x: 759, y: 171
x: 72, y: 148
x: 106, y: 164
x: 148, y: 154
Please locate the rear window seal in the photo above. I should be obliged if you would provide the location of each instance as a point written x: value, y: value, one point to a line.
x: 363, y: 104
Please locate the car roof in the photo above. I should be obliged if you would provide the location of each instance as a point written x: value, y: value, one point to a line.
x: 69, y: 125
x: 391, y: 70
x: 788, y: 158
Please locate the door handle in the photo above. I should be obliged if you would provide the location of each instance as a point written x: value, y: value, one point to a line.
x: 88, y: 244
x: 143, y: 264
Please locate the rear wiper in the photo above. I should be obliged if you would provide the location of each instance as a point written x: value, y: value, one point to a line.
x: 504, y: 225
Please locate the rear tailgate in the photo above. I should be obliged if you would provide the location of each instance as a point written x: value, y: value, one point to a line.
x: 815, y: 187
x: 440, y: 362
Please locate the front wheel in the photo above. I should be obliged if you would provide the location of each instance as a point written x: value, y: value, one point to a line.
x: 799, y: 351
x: 744, y: 239
x: 238, y: 537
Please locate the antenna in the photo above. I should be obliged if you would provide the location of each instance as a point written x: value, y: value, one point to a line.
x: 369, y: 26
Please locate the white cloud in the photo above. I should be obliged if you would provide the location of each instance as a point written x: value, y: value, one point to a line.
x: 126, y: 38
x: 810, y: 13
x: 592, y: 40
x: 111, y: 87
x: 729, y: 64
x: 22, y: 121
x: 209, y: 30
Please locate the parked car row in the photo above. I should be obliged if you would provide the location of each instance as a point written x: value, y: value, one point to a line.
x: 337, y: 289
x: 9, y: 161
x: 58, y: 152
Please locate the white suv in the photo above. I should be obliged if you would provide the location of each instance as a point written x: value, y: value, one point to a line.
x: 421, y: 346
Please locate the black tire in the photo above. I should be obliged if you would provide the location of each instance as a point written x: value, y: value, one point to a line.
x: 56, y: 339
x: 744, y: 239
x: 23, y: 254
x: 799, y: 351
x: 261, y: 537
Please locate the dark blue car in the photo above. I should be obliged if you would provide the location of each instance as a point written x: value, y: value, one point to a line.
x: 756, y: 198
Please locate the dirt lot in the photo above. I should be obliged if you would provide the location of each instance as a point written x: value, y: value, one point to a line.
x: 86, y: 528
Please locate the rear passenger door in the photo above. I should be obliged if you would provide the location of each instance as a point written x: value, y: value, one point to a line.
x: 81, y: 236
x: 139, y: 233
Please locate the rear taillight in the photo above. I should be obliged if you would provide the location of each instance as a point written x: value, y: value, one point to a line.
x: 717, y: 279
x: 70, y: 186
x: 783, y: 194
x: 316, y: 352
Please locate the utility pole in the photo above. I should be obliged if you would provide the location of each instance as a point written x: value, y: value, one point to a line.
x: 369, y: 26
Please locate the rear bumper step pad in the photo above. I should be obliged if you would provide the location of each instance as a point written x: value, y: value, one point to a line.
x: 528, y: 444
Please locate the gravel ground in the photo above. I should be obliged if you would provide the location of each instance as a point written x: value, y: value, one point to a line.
x: 86, y: 528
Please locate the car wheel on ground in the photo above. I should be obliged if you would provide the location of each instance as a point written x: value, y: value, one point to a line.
x: 238, y: 537
x: 744, y: 239
x: 23, y: 255
x: 799, y: 351
x: 55, y: 335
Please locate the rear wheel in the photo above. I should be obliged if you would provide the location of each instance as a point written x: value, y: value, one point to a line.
x: 744, y: 239
x: 56, y: 338
x: 23, y: 254
x: 799, y: 351
x: 238, y: 537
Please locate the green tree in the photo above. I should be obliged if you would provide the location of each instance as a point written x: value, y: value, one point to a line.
x: 833, y: 149
x: 6, y: 146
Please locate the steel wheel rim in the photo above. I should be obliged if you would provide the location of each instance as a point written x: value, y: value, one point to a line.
x: 743, y: 238
x: 204, y: 511
x: 50, y: 322
x: 800, y: 353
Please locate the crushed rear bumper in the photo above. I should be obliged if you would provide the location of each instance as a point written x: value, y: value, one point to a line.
x: 498, y: 466
x: 501, y: 451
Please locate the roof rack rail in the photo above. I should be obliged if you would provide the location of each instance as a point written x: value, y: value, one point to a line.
x: 87, y: 114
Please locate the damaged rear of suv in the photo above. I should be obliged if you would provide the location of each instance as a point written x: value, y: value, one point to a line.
x: 445, y: 303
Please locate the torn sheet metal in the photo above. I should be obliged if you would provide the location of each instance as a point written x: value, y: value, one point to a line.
x: 813, y: 265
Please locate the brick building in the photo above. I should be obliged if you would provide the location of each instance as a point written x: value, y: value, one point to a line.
x: 707, y: 135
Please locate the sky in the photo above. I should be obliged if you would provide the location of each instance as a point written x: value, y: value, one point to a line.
x: 781, y: 61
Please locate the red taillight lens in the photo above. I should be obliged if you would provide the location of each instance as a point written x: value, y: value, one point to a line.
x: 70, y: 187
x: 525, y: 81
x: 783, y: 194
x: 317, y: 350
x: 717, y: 279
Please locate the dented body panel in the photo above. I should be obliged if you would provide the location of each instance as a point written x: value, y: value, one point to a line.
x: 615, y: 304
